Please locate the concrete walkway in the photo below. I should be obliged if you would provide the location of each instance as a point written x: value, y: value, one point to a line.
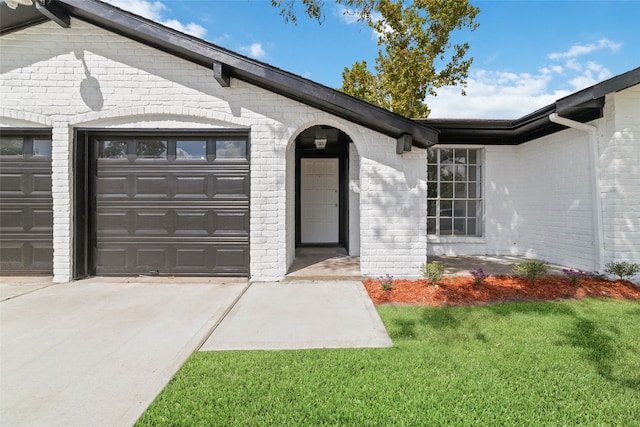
x: 301, y: 315
x: 97, y: 352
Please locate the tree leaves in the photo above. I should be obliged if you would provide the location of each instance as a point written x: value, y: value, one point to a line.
x: 416, y: 54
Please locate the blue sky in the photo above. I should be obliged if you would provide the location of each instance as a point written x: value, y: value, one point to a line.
x: 527, y: 54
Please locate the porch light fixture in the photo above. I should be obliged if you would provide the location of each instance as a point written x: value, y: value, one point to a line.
x: 321, y: 138
x: 13, y: 4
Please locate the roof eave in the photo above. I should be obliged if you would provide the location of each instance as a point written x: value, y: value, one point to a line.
x: 254, y: 72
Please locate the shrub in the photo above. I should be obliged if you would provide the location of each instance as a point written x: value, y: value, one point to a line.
x: 386, y: 283
x: 531, y: 270
x: 574, y: 276
x: 478, y: 276
x: 622, y: 269
x: 432, y: 271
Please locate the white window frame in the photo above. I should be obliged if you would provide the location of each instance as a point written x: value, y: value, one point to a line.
x: 448, y: 203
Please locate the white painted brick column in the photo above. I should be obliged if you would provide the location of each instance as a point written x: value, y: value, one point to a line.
x: 393, y: 211
x: 62, y: 182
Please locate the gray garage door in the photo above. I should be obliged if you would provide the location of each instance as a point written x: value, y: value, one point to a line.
x: 26, y: 206
x: 172, y: 205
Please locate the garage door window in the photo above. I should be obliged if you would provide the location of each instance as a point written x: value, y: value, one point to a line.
x: 25, y: 146
x: 191, y: 150
x: 154, y: 149
x: 170, y: 149
x: 231, y: 150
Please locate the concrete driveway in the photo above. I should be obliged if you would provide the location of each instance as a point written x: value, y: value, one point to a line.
x: 97, y: 352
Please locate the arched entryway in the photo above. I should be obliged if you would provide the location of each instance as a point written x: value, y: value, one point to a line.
x: 322, y: 191
x: 326, y: 201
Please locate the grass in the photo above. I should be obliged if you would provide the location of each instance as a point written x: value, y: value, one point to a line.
x: 569, y: 363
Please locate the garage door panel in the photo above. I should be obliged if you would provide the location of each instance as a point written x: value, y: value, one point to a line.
x: 40, y: 184
x: 192, y: 223
x: 149, y: 259
x: 26, y: 215
x: 157, y: 186
x: 112, y: 222
x: 189, y: 186
x: 112, y: 185
x: 231, y: 222
x: 26, y: 257
x: 156, y: 223
x: 170, y: 216
x: 231, y: 187
x: 111, y: 260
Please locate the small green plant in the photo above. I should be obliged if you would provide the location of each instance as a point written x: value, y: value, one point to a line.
x: 433, y: 272
x: 386, y: 283
x: 622, y: 269
x: 531, y: 270
x: 478, y: 276
x: 574, y: 276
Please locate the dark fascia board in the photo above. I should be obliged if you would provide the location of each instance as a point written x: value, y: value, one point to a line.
x: 260, y: 74
x: 583, y: 106
x: 22, y: 17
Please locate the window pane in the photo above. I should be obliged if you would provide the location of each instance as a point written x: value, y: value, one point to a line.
x: 459, y: 208
x: 432, y: 190
x: 432, y: 155
x: 431, y: 226
x: 432, y: 207
x: 458, y: 226
x: 472, y: 230
x: 446, y: 172
x: 432, y: 173
x: 473, y: 157
x: 472, y: 208
x: 461, y: 157
x: 11, y: 146
x: 473, y: 173
x: 446, y: 206
x: 461, y: 191
x: 191, y: 150
x: 446, y: 226
x: 446, y: 156
x: 113, y: 149
x: 461, y: 173
x: 231, y: 150
x: 151, y: 149
x: 42, y: 147
x: 446, y: 189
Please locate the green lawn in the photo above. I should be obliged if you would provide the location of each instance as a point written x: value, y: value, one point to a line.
x: 568, y: 363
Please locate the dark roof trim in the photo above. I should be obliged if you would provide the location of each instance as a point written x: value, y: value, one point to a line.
x: 231, y: 64
x: 582, y: 106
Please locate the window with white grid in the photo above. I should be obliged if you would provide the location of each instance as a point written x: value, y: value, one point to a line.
x: 454, y: 192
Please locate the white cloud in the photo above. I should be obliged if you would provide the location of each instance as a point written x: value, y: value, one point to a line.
x: 498, y: 94
x: 255, y: 51
x: 154, y: 10
x: 495, y: 95
x: 579, y: 50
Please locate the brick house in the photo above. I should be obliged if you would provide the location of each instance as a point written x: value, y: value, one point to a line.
x: 129, y: 148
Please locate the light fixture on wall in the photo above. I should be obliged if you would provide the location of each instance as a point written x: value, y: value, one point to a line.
x: 321, y: 138
x: 12, y: 4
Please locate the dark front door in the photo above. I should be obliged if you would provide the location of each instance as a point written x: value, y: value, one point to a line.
x: 26, y: 205
x: 171, y: 205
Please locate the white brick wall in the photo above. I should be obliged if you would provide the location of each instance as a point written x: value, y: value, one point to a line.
x: 538, y: 198
x: 87, y: 77
x: 537, y: 202
x: 619, y: 145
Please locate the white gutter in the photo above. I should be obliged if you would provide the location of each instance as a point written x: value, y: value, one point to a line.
x: 598, y: 223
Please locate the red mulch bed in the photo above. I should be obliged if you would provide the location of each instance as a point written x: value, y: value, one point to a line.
x: 461, y: 290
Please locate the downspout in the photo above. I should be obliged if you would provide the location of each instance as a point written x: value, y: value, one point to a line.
x: 598, y: 223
